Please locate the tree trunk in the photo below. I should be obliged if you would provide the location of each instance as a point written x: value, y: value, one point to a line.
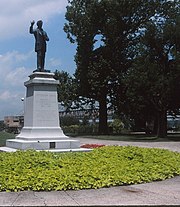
x: 155, y: 126
x: 139, y: 124
x: 162, y: 124
x: 103, y: 127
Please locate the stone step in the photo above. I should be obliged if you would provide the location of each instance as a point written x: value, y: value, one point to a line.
x: 43, y: 144
x: 9, y: 149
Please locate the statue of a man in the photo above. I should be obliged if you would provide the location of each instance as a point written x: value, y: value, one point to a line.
x: 40, y: 43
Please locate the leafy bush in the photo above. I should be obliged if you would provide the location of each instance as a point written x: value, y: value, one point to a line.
x: 102, y: 167
x: 117, y: 126
x: 69, y: 120
x: 73, y: 129
x: 88, y: 129
x: 80, y: 129
x: 2, y: 125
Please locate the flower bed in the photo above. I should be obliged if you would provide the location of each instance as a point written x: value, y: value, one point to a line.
x: 91, y: 146
x: 102, y: 167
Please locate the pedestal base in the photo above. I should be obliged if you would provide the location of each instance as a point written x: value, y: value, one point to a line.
x: 41, y: 129
x: 63, y: 145
x: 42, y: 145
x: 41, y: 133
x: 9, y: 149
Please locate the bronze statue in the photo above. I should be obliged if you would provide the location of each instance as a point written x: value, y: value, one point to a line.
x: 40, y: 43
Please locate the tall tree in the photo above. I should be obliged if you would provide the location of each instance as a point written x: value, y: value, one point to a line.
x: 153, y: 81
x: 117, y: 22
x: 67, y: 90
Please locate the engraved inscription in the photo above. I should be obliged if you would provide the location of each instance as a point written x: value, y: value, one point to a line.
x: 46, y: 113
x: 46, y: 101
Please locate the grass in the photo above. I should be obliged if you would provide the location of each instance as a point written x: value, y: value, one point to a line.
x: 4, y: 136
x: 135, y: 137
x: 124, y: 137
x: 103, y: 167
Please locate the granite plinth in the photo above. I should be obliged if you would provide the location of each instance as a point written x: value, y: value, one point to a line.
x: 41, y: 133
x: 42, y: 129
x: 43, y: 144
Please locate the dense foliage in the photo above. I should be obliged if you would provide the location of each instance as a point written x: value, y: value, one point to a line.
x: 111, y: 35
x: 66, y: 89
x: 103, y: 31
x: 152, y: 81
x: 2, y: 125
x: 102, y: 167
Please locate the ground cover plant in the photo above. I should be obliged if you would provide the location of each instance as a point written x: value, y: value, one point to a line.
x: 103, y: 167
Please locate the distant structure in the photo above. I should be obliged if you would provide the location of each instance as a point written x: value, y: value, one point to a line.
x: 14, y: 123
x: 85, y: 111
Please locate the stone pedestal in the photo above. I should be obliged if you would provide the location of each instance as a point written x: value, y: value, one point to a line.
x: 41, y: 129
x: 41, y: 115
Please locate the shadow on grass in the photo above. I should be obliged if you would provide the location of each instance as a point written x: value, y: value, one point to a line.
x: 135, y: 138
x: 174, y: 137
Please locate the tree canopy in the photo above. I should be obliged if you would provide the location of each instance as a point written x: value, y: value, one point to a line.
x: 129, y: 33
x: 152, y: 82
x: 67, y: 92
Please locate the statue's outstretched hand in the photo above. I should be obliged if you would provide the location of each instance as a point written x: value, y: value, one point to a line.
x: 32, y: 23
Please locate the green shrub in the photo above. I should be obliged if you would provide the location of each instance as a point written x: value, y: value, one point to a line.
x: 102, y: 167
x: 88, y: 129
x: 73, y: 129
x: 2, y: 126
x: 69, y: 120
x: 80, y: 129
x: 117, y: 126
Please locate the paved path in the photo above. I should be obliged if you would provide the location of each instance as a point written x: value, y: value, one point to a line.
x: 171, y: 145
x: 164, y: 193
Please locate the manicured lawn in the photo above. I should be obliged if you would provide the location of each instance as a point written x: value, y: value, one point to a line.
x: 125, y: 137
x: 103, y: 167
x: 4, y: 136
x: 122, y: 137
x: 135, y: 137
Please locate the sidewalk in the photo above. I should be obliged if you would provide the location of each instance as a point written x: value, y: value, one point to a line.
x: 164, y: 193
x: 170, y: 145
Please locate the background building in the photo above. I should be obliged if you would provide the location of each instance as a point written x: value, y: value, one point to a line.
x: 14, y: 123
